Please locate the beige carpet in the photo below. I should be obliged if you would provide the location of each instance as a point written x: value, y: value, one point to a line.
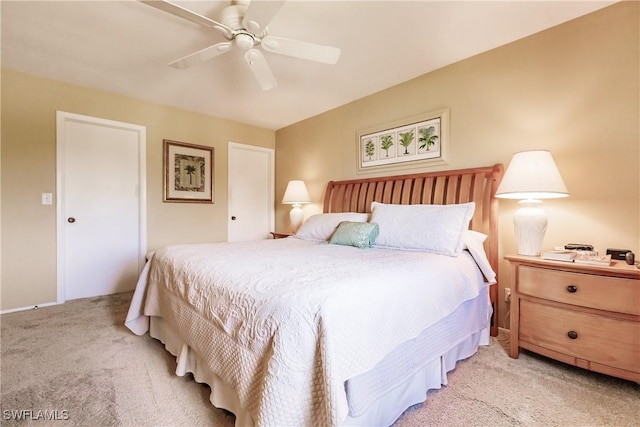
x: 79, y: 360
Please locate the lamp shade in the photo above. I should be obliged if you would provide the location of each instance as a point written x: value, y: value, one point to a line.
x: 532, y: 175
x: 296, y: 193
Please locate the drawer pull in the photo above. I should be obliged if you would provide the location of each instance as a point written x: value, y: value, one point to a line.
x: 572, y: 289
x: 572, y: 334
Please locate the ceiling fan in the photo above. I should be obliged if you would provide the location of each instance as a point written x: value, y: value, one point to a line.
x: 244, y: 26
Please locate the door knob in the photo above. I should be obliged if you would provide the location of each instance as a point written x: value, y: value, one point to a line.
x: 71, y: 220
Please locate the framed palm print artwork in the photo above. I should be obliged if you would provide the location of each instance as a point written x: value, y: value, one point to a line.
x: 188, y: 172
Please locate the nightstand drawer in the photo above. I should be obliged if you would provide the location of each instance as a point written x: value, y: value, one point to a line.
x: 600, y: 292
x: 599, y: 339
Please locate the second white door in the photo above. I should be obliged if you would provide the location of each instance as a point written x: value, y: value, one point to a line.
x: 251, y: 192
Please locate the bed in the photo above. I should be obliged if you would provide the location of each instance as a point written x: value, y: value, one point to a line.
x: 350, y: 321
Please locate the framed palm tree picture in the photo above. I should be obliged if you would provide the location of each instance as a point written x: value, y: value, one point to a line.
x: 411, y: 142
x: 188, y: 172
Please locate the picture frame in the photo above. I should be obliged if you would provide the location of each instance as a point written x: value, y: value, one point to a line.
x: 188, y: 172
x: 416, y: 141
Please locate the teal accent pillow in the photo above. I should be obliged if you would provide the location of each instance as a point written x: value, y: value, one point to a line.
x: 358, y: 234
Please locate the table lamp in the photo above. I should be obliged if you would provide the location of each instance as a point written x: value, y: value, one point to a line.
x: 296, y: 194
x: 530, y: 177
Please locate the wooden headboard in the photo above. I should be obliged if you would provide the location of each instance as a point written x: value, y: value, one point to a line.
x: 477, y: 185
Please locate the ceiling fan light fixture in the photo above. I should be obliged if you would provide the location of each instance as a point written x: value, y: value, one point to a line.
x: 244, y: 41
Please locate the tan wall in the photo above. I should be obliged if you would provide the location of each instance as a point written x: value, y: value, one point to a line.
x: 573, y: 89
x: 29, y: 107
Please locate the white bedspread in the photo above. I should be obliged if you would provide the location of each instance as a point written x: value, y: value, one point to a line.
x: 290, y: 321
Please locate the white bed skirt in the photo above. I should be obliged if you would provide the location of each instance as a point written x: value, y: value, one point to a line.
x: 390, y: 403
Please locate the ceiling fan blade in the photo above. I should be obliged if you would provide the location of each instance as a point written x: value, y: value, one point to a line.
x: 260, y: 69
x: 201, y: 56
x: 260, y: 13
x: 181, y: 12
x: 300, y: 49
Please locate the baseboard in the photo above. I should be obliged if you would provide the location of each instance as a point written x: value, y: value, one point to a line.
x: 29, y: 307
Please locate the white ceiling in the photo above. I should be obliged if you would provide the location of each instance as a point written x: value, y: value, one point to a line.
x: 125, y: 46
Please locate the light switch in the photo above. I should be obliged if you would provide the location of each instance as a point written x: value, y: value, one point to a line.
x: 47, y: 198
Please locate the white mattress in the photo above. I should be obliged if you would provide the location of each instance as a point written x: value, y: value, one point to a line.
x: 291, y: 321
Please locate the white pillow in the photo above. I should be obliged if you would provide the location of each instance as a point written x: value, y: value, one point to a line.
x: 472, y: 235
x: 320, y: 227
x: 473, y: 243
x: 429, y: 228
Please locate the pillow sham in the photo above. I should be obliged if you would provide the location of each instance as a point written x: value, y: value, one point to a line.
x: 320, y: 227
x: 358, y: 234
x: 429, y: 228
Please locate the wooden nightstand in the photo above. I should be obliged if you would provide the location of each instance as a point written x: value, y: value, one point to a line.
x: 584, y: 315
x: 277, y: 235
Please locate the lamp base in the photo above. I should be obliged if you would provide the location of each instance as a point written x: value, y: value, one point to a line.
x: 296, y: 216
x: 530, y: 224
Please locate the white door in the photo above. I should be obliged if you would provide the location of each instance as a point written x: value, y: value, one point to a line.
x: 101, y: 205
x: 251, y: 192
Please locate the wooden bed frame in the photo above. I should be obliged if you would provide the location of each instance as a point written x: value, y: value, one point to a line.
x: 477, y: 185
